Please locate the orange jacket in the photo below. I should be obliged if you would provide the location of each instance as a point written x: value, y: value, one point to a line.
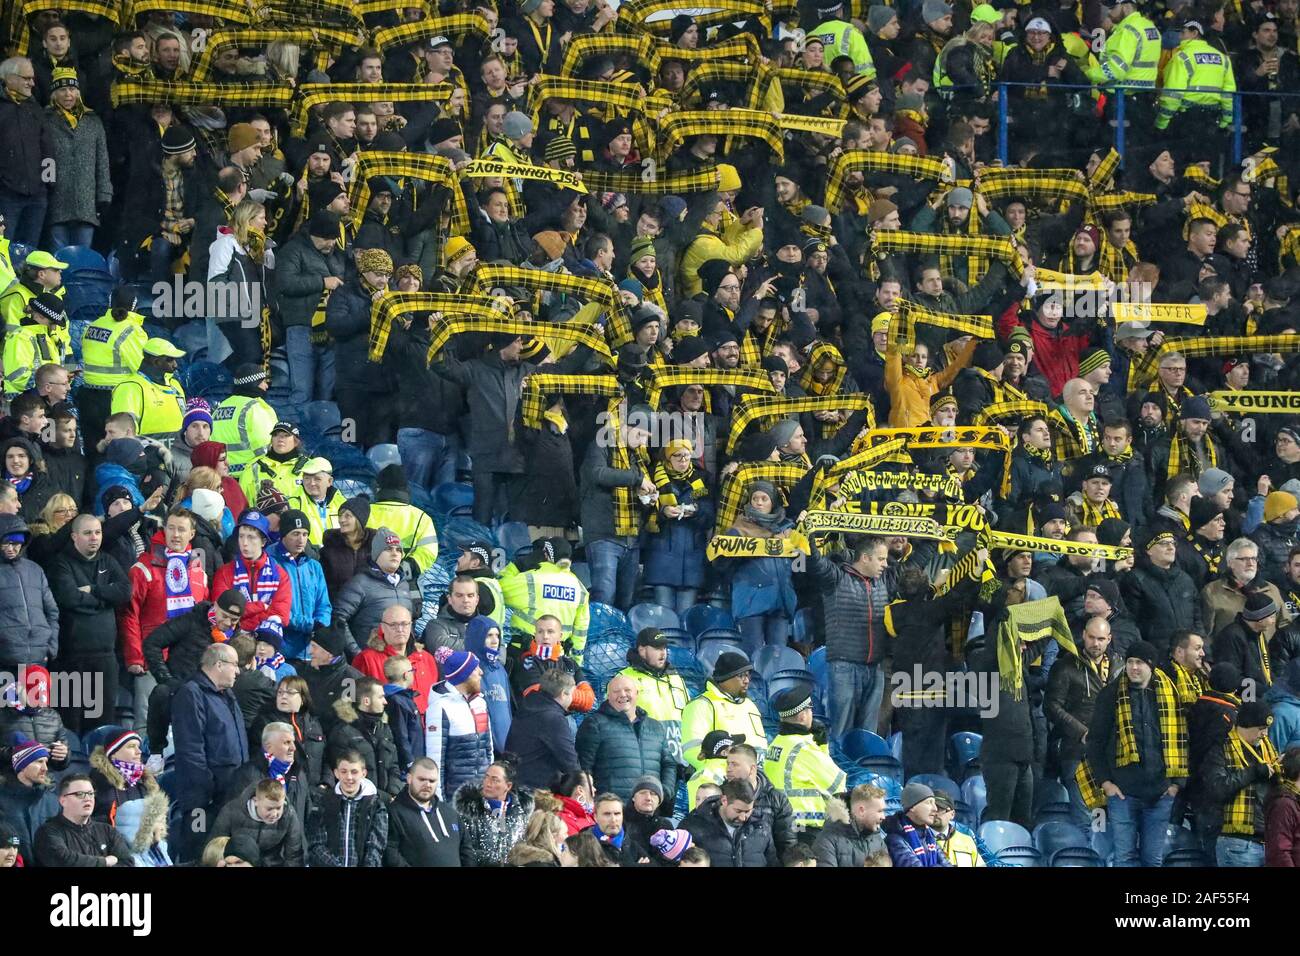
x: 910, y: 395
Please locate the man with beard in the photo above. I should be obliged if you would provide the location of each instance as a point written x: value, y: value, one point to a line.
x: 423, y: 830
x: 27, y: 797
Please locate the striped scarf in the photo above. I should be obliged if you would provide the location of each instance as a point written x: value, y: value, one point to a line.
x: 1045, y: 185
x: 550, y: 332
x: 311, y: 95
x: 1127, y: 200
x: 1188, y: 685
x: 744, y: 47
x: 1212, y: 556
x: 619, y: 328
x: 1239, y: 814
x: 637, y: 47
x: 823, y: 352
x: 975, y: 247
x: 457, y: 26
x: 542, y: 388
x: 258, y: 588
x: 921, y: 843
x: 755, y: 344
x: 258, y: 96
x: 664, y: 183
x: 752, y: 408
x: 1173, y: 726
x: 669, y: 482
x: 318, y: 38
x: 1071, y: 437
x: 670, y: 376
x: 176, y: 580
x: 910, y: 313
x: 431, y: 169
x: 759, y: 83
x: 1183, y: 457
x: 626, y: 520
x: 756, y: 124
x: 627, y: 97
x: 922, y: 168
x: 1092, y: 515
x: 393, y: 305
x: 731, y: 498
x: 1114, y: 263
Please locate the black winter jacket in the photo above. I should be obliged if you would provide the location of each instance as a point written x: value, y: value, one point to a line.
x: 370, y: 736
x: 62, y: 843
x: 751, y: 845
x: 1072, y: 689
x: 419, y: 837
x: 88, y: 624
x: 1162, y: 603
x: 24, y: 148
x: 327, y: 684
x: 281, y: 843
x: 541, y: 738
x: 184, y: 638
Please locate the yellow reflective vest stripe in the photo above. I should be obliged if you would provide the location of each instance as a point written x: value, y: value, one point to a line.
x: 13, y: 303
x: 413, y: 526
x: 283, y: 475
x: 243, y: 424
x: 112, y: 351
x: 803, y: 770
x: 714, y: 710
x: 320, y: 517
x: 26, y: 349
x: 158, y: 409
x: 1197, y: 75
x: 550, y: 589
x: 713, y: 771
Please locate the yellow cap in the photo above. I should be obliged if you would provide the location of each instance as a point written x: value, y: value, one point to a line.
x: 881, y: 322
x: 984, y: 13
x: 161, y: 347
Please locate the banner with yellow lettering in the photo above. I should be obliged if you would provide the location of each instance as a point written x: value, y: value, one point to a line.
x: 482, y: 168
x: 1258, y: 403
x: 1169, y: 312
x: 733, y: 546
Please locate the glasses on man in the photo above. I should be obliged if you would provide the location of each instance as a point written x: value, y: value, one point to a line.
x: 80, y: 794
x: 402, y: 625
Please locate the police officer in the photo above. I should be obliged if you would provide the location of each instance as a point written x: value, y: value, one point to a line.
x: 392, y: 509
x: 476, y: 560
x: 549, y: 588
x: 711, y: 762
x: 799, y: 765
x: 243, y: 422
x: 724, y: 705
x: 112, y: 350
x: 153, y: 395
x: 841, y: 38
x: 1131, y: 59
x: 281, y: 465
x: 1196, y: 95
x: 34, y: 342
x: 41, y: 272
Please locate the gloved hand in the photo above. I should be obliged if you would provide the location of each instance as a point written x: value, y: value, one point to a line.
x: 261, y: 195
x: 584, y: 698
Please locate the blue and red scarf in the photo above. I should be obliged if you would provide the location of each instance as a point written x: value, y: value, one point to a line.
x: 176, y: 579
x: 130, y: 770
x: 924, y: 846
x: 263, y: 588
x: 276, y: 768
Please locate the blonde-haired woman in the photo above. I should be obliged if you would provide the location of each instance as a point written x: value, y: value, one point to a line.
x: 543, y: 843
x: 52, y: 531
x: 238, y: 261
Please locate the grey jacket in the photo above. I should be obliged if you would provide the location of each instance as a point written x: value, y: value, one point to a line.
x: 841, y: 843
x: 852, y: 611
x: 596, y: 484
x: 80, y: 168
x: 359, y: 607
x: 29, y: 618
x: 300, y: 277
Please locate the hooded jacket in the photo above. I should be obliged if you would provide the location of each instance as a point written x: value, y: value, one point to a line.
x: 420, y: 837
x: 495, y: 681
x: 29, y: 616
x: 37, y: 494
x: 841, y: 843
x: 370, y: 736
x: 359, y: 606
x: 457, y: 736
x: 348, y: 831
x: 112, y: 794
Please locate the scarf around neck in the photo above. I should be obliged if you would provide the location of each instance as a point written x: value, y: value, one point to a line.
x: 259, y: 585
x: 176, y: 578
x: 130, y: 770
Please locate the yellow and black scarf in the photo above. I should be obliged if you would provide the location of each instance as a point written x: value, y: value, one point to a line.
x: 1189, y: 685
x: 1092, y: 515
x: 1239, y: 815
x: 1183, y: 457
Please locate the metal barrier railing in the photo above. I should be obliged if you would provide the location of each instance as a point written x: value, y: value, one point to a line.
x: 1118, y: 93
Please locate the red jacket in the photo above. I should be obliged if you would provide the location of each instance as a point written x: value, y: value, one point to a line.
x: 1056, y: 351
x: 279, y: 604
x: 574, y: 816
x: 1282, y: 831
x: 147, y: 608
x: 371, y: 663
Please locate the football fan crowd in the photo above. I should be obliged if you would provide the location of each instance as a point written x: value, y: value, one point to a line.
x: 571, y: 433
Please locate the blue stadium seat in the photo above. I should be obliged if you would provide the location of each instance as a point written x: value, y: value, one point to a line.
x: 857, y: 744
x: 821, y: 673
x: 641, y: 616
x: 207, y: 380
x: 974, y: 792
x: 1055, y: 834
x: 1022, y: 856
x: 381, y: 456
x: 81, y: 259
x: 679, y: 637
x: 965, y: 815
x: 1049, y: 790
x: 1049, y: 812
x: 893, y: 789
x: 768, y: 660
x: 1000, y: 834
x: 454, y: 498
x: 708, y: 652
x: 938, y: 782
x: 885, y: 766
x: 1075, y: 856
x: 704, y: 617
x: 323, y: 418
x: 782, y: 681
x: 514, y: 538
x: 965, y: 750
x: 895, y: 742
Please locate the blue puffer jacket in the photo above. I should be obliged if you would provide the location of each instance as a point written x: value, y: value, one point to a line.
x: 453, y: 738
x: 674, y: 556
x: 108, y: 474
x: 760, y: 585
x: 29, y: 617
x: 211, y: 742
x: 408, y: 729
x: 311, y: 600
x: 496, y: 682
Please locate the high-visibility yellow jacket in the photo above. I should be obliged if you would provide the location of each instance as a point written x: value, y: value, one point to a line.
x: 550, y: 589
x: 285, y: 476
x: 158, y: 409
x: 803, y: 770
x: 713, y: 771
x: 486, y: 582
x: 960, y: 848
x: 714, y: 710
x: 1131, y: 56
x: 321, y: 516
x: 112, y: 351
x: 846, y: 40
x: 1197, y: 75
x: 14, y: 299
x: 27, y: 348
x: 243, y: 423
x: 7, y: 274
x: 413, y: 526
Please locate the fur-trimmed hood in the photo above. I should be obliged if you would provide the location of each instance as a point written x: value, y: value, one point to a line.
x: 346, y: 711
x: 837, y: 810
x: 99, y: 761
x: 469, y: 801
